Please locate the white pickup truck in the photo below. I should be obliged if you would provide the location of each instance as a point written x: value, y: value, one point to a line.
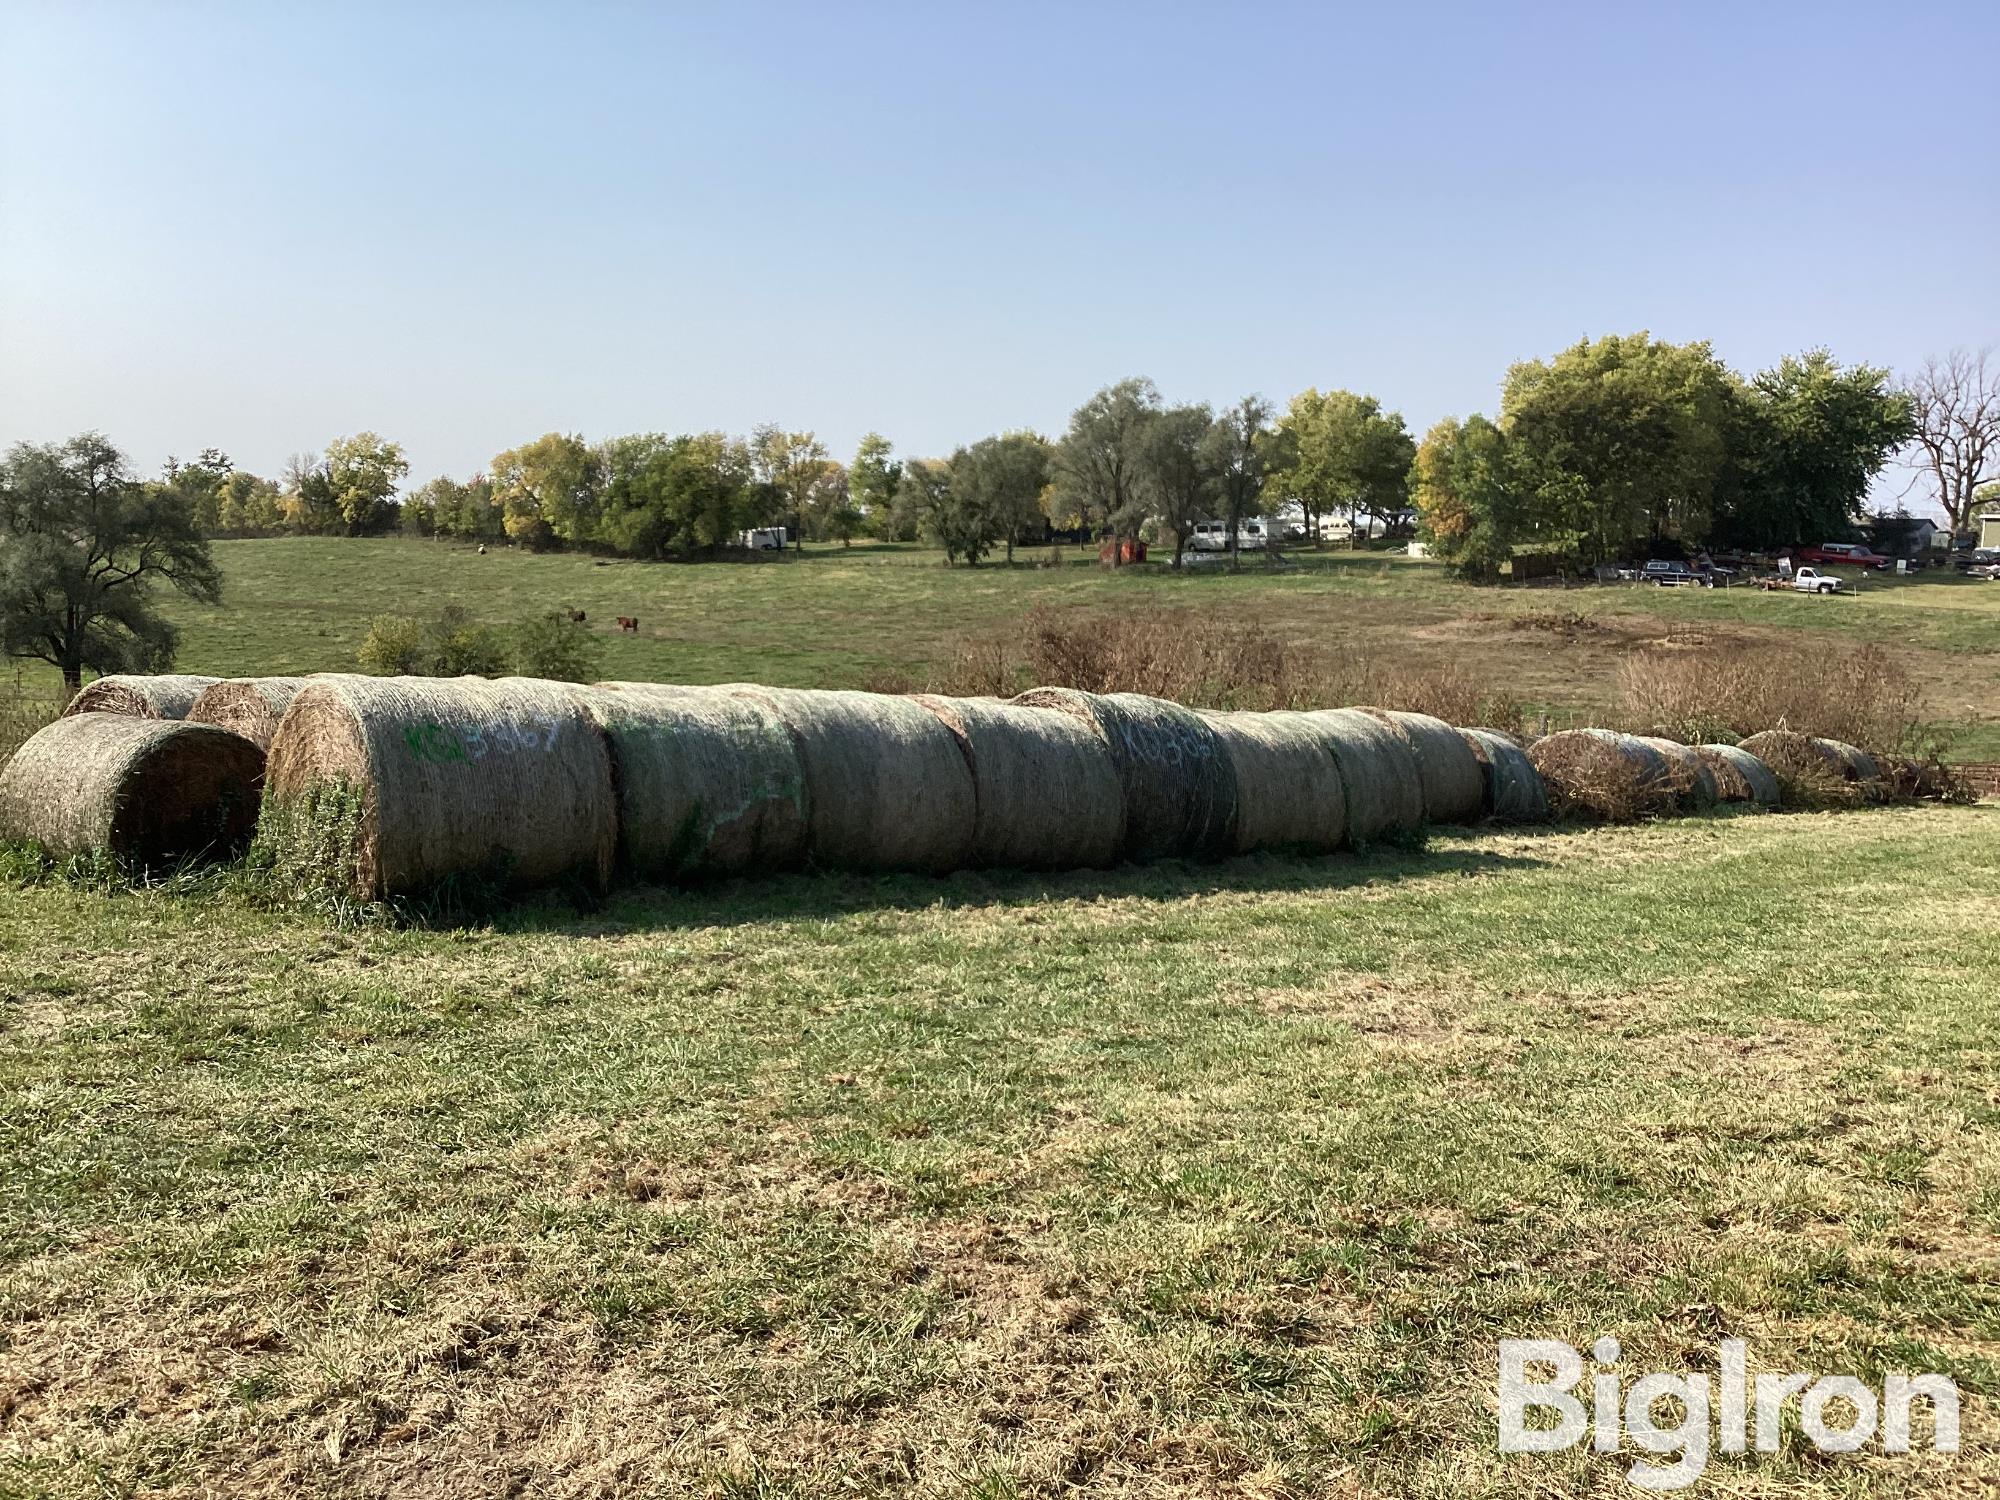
x: 1809, y: 581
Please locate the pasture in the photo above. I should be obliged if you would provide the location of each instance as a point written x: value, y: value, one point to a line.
x: 873, y: 615
x: 1219, y: 1180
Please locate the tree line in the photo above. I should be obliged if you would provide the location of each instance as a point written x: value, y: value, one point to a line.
x: 1608, y: 449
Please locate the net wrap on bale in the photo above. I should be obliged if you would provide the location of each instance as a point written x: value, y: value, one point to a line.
x: 1603, y: 773
x: 1447, y: 769
x: 1378, y: 771
x: 887, y: 787
x: 396, y: 785
x: 709, y: 781
x: 1741, y: 776
x: 1289, y: 791
x: 1180, y: 793
x: 1694, y: 782
x: 249, y: 706
x: 1511, y: 789
x: 167, y: 696
x: 148, y: 792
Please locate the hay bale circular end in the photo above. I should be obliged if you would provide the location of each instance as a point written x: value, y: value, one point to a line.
x: 1741, y: 776
x: 150, y: 793
x: 1511, y: 788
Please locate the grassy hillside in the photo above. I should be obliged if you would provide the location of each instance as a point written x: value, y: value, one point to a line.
x: 1163, y: 1182
x: 845, y: 617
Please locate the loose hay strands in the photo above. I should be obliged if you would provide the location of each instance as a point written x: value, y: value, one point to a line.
x: 709, y: 782
x: 1289, y: 791
x: 1600, y: 773
x: 1047, y: 788
x: 1446, y: 766
x: 455, y: 778
x: 1511, y: 788
x: 1378, y: 768
x: 249, y: 706
x: 1180, y: 793
x: 164, y: 697
x: 1694, y: 783
x: 1741, y: 776
x: 148, y: 792
x: 887, y: 787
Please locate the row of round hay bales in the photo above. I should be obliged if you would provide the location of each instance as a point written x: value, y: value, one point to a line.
x: 1510, y: 788
x: 400, y: 784
x: 150, y: 792
x: 162, y: 697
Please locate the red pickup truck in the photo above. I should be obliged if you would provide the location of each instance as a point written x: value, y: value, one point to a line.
x: 1845, y: 554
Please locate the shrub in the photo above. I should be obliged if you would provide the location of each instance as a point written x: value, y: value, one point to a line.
x: 452, y: 645
x: 1859, y: 694
x: 557, y: 647
x: 1206, y: 660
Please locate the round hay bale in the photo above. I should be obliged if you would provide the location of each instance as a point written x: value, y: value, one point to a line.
x: 709, y: 782
x: 1289, y: 791
x: 1510, y: 787
x: 1045, y: 783
x: 394, y: 785
x: 163, y: 697
x: 1180, y: 794
x: 1378, y: 769
x: 1808, y: 760
x: 1601, y: 773
x: 1694, y: 783
x: 1740, y: 776
x: 249, y: 706
x: 887, y: 787
x: 148, y: 792
x: 1446, y: 766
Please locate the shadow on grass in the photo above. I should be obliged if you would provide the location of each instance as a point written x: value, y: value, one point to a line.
x: 748, y: 901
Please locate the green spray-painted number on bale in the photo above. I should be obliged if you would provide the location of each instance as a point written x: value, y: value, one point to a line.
x: 431, y: 741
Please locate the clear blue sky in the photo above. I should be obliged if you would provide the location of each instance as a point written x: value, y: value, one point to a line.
x: 259, y: 226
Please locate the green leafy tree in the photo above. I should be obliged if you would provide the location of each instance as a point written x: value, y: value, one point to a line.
x: 83, y: 549
x: 998, y: 485
x: 1471, y: 503
x: 871, y: 483
x: 247, y: 503
x: 554, y: 646
x: 788, y: 465
x: 1624, y: 441
x: 547, y: 490
x: 1343, y: 453
x: 1099, y: 457
x: 831, y: 514
x: 945, y: 511
x: 1239, y: 451
x: 199, y: 485
x: 665, y: 496
x: 1177, y: 473
x: 1806, y: 442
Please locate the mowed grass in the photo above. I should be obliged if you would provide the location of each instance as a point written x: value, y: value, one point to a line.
x: 840, y: 617
x: 1169, y: 1181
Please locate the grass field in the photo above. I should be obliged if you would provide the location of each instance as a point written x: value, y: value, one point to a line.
x: 1170, y: 1181
x: 842, y: 618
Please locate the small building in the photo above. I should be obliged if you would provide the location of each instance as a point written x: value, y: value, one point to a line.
x: 1989, y: 529
x: 1905, y: 535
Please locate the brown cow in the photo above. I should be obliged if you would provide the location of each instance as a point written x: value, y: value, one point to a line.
x: 577, y: 617
x: 629, y: 624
